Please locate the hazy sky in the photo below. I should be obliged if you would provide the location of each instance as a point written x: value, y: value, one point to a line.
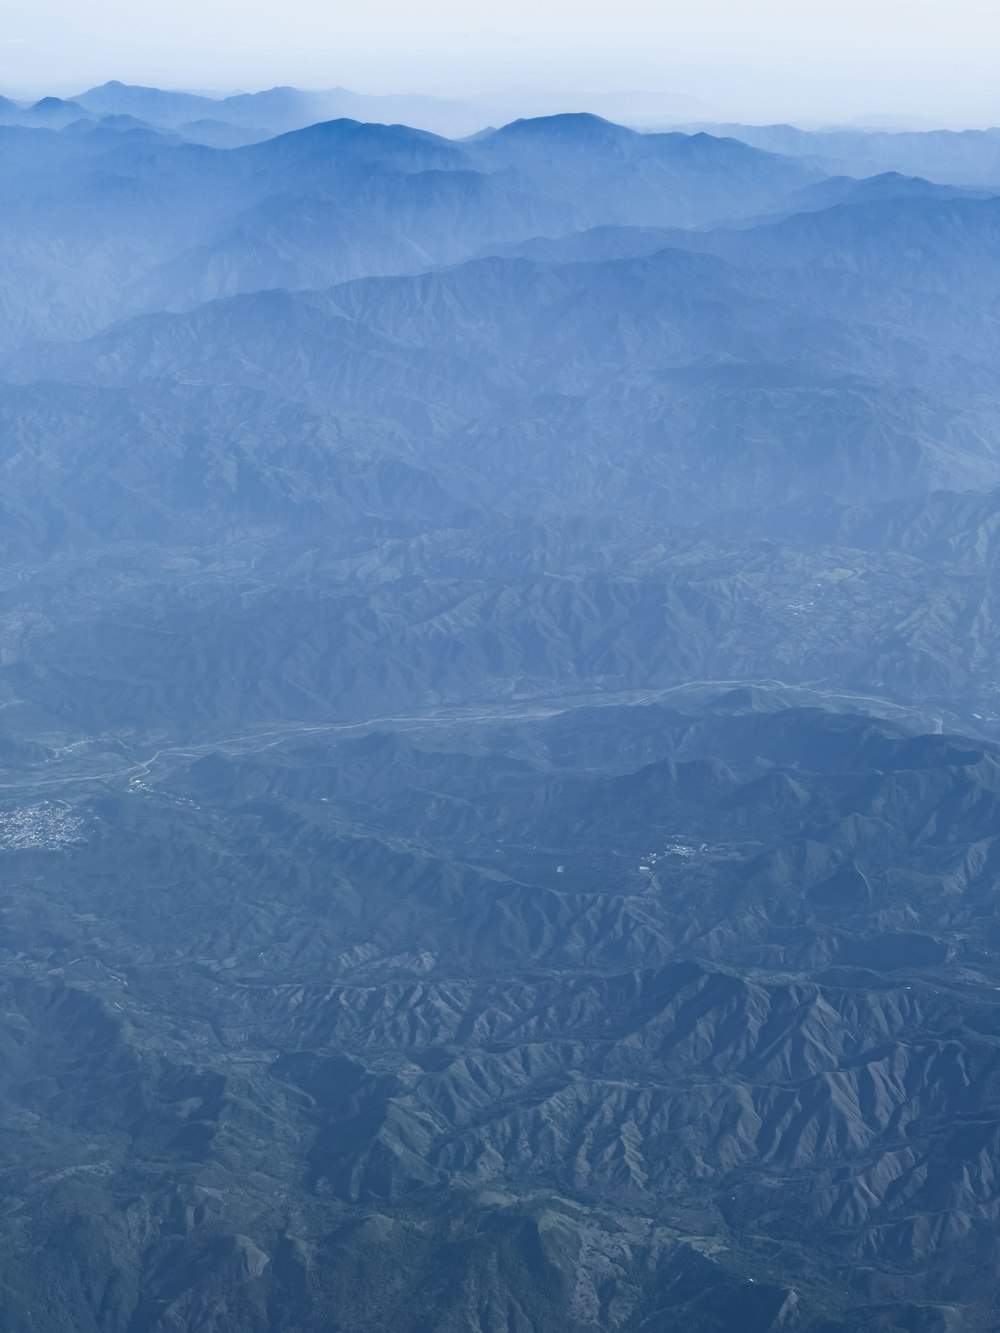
x: 758, y: 59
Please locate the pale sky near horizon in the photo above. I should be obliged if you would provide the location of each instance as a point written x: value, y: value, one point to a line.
x: 752, y: 59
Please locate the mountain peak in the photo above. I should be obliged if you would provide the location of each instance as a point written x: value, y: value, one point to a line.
x: 580, y: 126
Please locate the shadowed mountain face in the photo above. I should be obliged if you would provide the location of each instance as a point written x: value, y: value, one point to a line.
x: 498, y: 728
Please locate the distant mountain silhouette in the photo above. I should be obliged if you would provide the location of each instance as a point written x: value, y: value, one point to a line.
x: 966, y: 158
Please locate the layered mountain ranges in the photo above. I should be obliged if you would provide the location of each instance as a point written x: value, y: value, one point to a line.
x: 499, y: 719
x: 113, y: 222
x: 770, y: 453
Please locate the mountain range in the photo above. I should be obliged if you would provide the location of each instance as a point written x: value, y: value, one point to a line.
x: 499, y: 723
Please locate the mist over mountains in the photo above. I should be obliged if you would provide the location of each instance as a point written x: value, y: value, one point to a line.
x: 499, y: 713
x: 227, y: 120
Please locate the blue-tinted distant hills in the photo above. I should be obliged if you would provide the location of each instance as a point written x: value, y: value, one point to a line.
x: 965, y: 158
x: 955, y: 157
x: 276, y: 110
x: 929, y: 248
x: 132, y: 218
x: 888, y: 185
x: 637, y: 178
x: 50, y: 109
x: 563, y: 318
x: 244, y: 117
x: 847, y: 352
